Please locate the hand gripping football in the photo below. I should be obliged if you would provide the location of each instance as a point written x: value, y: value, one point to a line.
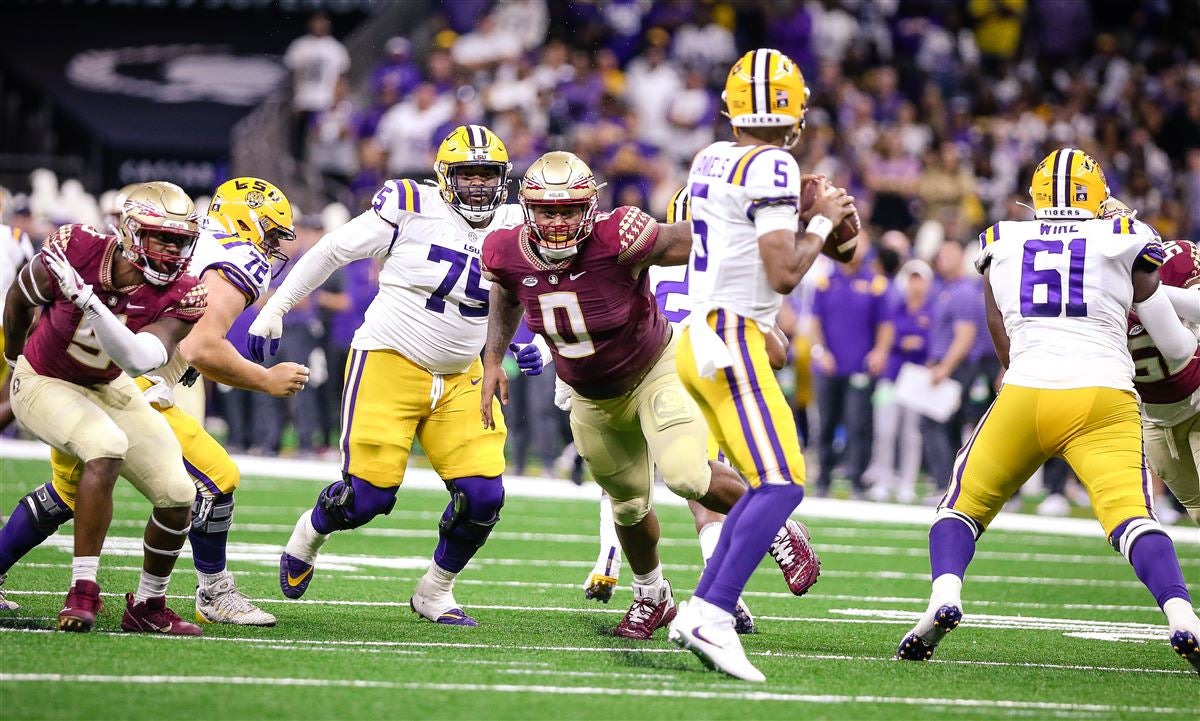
x: 841, y: 243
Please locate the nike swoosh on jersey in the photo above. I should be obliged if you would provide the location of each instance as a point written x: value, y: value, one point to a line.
x: 574, y: 276
x: 475, y: 381
x: 294, y: 581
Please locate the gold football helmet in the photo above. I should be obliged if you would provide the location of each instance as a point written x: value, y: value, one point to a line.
x: 255, y: 211
x: 160, y: 212
x: 473, y: 150
x: 1068, y: 184
x: 680, y: 207
x: 1114, y: 208
x: 560, y: 179
x: 766, y: 89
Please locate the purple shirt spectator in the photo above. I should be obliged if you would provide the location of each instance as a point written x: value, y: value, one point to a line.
x: 912, y: 334
x: 358, y: 283
x: 850, y: 308
x: 954, y: 301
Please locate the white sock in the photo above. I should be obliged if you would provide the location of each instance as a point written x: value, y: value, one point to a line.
x: 653, y: 580
x: 709, y: 535
x: 210, y: 579
x: 305, y: 542
x: 947, y: 588
x: 150, y: 586
x: 608, y: 563
x: 84, y: 568
x: 439, y: 578
x: 709, y: 612
x: 1181, y: 616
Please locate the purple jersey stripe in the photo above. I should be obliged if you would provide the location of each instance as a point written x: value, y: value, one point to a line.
x: 238, y: 278
x: 763, y: 202
x: 737, y: 402
x: 199, y: 475
x: 964, y: 455
x: 768, y: 422
x: 416, y: 191
x: 358, y: 359
x: 755, y: 156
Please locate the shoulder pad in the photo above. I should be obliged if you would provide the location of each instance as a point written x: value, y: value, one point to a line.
x: 758, y: 167
x: 635, y: 232
x: 397, y: 197
x: 192, y: 302
x: 989, y: 236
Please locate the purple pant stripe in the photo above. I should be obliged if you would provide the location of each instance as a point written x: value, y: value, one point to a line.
x: 198, y: 475
x: 965, y: 453
x: 1146, y: 488
x: 768, y: 423
x: 737, y: 402
x: 358, y: 359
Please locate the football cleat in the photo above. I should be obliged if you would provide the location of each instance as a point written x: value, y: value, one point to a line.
x: 599, y: 587
x: 153, y: 616
x: 5, y: 604
x: 743, y: 622
x: 1187, y: 645
x: 651, y: 610
x: 794, y: 553
x: 714, y: 641
x: 294, y: 575
x: 438, y: 607
x: 79, y: 612
x: 222, y: 602
x: 917, y: 647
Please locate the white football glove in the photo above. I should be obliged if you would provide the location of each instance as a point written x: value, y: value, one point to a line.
x: 268, y: 325
x: 562, y: 394
x: 72, y: 284
x: 160, y: 395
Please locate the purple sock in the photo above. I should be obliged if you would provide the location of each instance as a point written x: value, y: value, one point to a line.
x: 210, y: 533
x: 722, y: 549
x: 22, y: 533
x: 1157, y: 567
x: 474, y: 509
x: 951, y: 547
x: 763, y: 511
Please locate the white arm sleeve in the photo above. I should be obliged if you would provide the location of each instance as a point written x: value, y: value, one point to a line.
x: 1185, y: 301
x: 366, y: 236
x: 1176, y: 343
x: 776, y: 217
x: 136, y: 353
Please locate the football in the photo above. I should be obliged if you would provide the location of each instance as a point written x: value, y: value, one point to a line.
x: 841, y: 243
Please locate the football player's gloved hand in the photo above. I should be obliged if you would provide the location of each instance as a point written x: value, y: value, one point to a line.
x: 159, y: 395
x: 268, y: 324
x: 72, y: 284
x: 562, y: 394
x: 529, y: 358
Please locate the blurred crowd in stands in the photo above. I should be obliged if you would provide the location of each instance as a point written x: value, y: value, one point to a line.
x: 932, y: 113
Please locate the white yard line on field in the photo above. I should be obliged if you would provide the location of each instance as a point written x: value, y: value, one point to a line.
x: 526, y: 486
x: 1013, y: 705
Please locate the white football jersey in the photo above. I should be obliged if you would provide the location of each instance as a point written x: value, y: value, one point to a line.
x: 15, y: 251
x: 432, y: 304
x: 238, y: 261
x: 1065, y: 289
x: 728, y: 183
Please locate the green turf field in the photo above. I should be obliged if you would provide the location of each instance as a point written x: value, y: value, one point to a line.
x: 352, y: 649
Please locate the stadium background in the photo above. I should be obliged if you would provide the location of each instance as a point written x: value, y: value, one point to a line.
x: 932, y: 113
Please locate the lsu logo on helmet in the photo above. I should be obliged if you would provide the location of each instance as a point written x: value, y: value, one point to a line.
x: 255, y: 211
x: 1068, y: 183
x: 477, y: 148
x: 766, y: 89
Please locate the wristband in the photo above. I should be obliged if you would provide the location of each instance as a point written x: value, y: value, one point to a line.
x: 820, y: 226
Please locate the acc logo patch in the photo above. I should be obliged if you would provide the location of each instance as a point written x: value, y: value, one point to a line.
x: 529, y: 281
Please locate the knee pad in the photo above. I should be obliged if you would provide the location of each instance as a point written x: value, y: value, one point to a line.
x: 689, y: 479
x: 631, y: 511
x: 474, y: 501
x: 944, y: 513
x: 212, y: 514
x: 1128, y: 532
x: 352, y: 502
x: 113, y: 444
x: 48, y: 510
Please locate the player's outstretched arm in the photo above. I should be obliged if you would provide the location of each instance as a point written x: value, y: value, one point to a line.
x: 672, y: 247
x: 1173, y: 339
x: 209, y: 352
x: 32, y: 288
x: 1185, y: 301
x: 504, y: 314
x: 995, y: 321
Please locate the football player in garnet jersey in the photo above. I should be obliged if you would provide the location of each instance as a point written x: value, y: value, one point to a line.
x: 110, y: 304
x: 582, y: 278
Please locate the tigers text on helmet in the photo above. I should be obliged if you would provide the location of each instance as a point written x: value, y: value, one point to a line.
x: 766, y: 89
x: 1069, y: 185
x: 158, y: 212
x: 255, y: 211
x: 559, y: 180
x: 473, y: 151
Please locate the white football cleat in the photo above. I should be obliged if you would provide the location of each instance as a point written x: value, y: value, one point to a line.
x: 708, y: 632
x: 438, y: 606
x: 222, y: 602
x: 5, y: 604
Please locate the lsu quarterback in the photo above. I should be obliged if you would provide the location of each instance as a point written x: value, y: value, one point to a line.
x: 746, y: 255
x: 1058, y: 290
x: 414, y: 368
x: 247, y: 221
